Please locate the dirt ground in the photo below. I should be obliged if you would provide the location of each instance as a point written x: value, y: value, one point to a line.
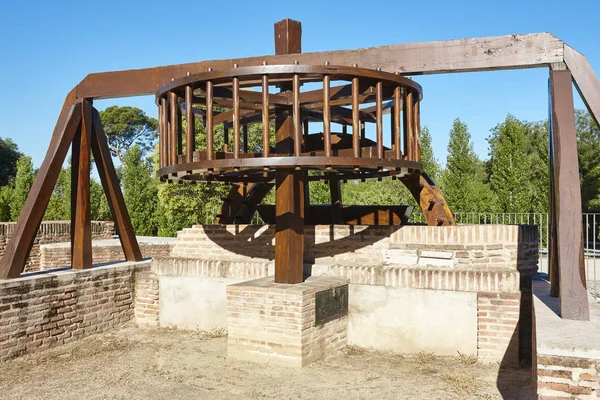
x: 134, y: 363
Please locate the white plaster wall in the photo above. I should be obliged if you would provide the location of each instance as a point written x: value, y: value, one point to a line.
x: 412, y: 320
x: 191, y: 302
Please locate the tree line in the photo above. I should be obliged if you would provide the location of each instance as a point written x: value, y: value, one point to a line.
x: 513, y: 178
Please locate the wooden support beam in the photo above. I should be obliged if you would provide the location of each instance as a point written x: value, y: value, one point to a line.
x: 81, y: 221
x: 18, y: 249
x: 289, y: 226
x: 585, y: 80
x: 462, y: 55
x: 110, y: 183
x: 289, y: 183
x: 573, y: 296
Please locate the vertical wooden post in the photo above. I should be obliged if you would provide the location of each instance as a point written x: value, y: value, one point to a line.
x: 190, y: 140
x: 289, y: 183
x: 565, y: 184
x: 81, y: 222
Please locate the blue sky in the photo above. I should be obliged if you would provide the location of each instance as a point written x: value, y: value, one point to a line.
x: 49, y: 46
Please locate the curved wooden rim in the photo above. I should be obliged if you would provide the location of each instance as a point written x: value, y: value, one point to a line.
x: 258, y: 165
x: 336, y: 72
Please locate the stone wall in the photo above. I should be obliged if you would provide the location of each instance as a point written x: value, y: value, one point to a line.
x: 50, y: 309
x: 57, y: 255
x: 51, y: 232
x: 473, y: 248
x: 568, y: 377
x: 489, y: 263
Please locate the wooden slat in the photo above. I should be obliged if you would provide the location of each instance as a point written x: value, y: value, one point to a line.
x: 326, y: 116
x: 407, y: 116
x: 112, y: 189
x: 18, y: 249
x: 585, y: 80
x: 209, y: 121
x: 296, y: 116
x: 379, y: 118
x: 397, y: 131
x: 190, y: 140
x: 573, y: 297
x: 417, y: 129
x: 288, y: 37
x: 164, y: 145
x: 463, y: 55
x: 236, y: 118
x: 355, y: 118
x: 265, y: 116
x: 81, y: 221
x: 173, y: 128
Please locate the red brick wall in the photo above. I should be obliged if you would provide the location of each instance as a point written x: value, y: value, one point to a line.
x: 51, y: 232
x: 51, y: 309
x: 567, y: 377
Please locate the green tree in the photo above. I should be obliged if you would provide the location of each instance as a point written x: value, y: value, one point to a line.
x: 99, y: 209
x: 510, y: 177
x: 9, y: 155
x: 23, y: 182
x: 140, y: 192
x: 59, y: 206
x: 5, y: 199
x: 430, y: 163
x: 125, y: 126
x: 588, y: 146
x: 538, y: 155
x: 463, y: 180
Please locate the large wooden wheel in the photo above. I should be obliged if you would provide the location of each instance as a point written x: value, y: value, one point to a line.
x: 290, y: 98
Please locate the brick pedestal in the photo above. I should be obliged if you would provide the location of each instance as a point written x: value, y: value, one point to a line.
x: 275, y: 323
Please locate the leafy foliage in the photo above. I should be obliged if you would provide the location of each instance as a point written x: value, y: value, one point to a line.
x: 23, y: 183
x: 9, y: 155
x: 463, y: 181
x: 588, y: 146
x: 140, y: 192
x: 125, y: 126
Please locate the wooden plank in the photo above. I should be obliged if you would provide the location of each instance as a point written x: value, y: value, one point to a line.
x: 112, y: 189
x: 288, y: 37
x: 573, y: 296
x: 430, y: 200
x: 462, y: 55
x: 585, y: 80
x: 289, y: 226
x: 18, y: 249
x: 324, y: 214
x: 81, y: 221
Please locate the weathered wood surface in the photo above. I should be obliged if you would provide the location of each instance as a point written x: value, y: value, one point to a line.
x: 81, y: 221
x: 17, y: 251
x: 585, y: 80
x: 573, y: 296
x: 462, y: 55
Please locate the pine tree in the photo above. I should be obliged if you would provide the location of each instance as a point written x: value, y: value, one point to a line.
x: 588, y: 147
x: 140, y: 192
x: 23, y: 182
x: 463, y: 182
x: 5, y: 199
x: 510, y: 177
x: 430, y: 163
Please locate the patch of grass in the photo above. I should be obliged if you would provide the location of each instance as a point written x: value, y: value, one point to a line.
x: 423, y: 357
x: 351, y: 350
x: 461, y: 383
x: 215, y: 333
x: 467, y: 359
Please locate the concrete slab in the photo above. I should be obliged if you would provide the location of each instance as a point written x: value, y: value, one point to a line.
x: 194, y: 302
x: 562, y: 337
x: 412, y: 320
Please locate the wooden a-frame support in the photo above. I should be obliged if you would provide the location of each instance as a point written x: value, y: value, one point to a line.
x: 78, y: 125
